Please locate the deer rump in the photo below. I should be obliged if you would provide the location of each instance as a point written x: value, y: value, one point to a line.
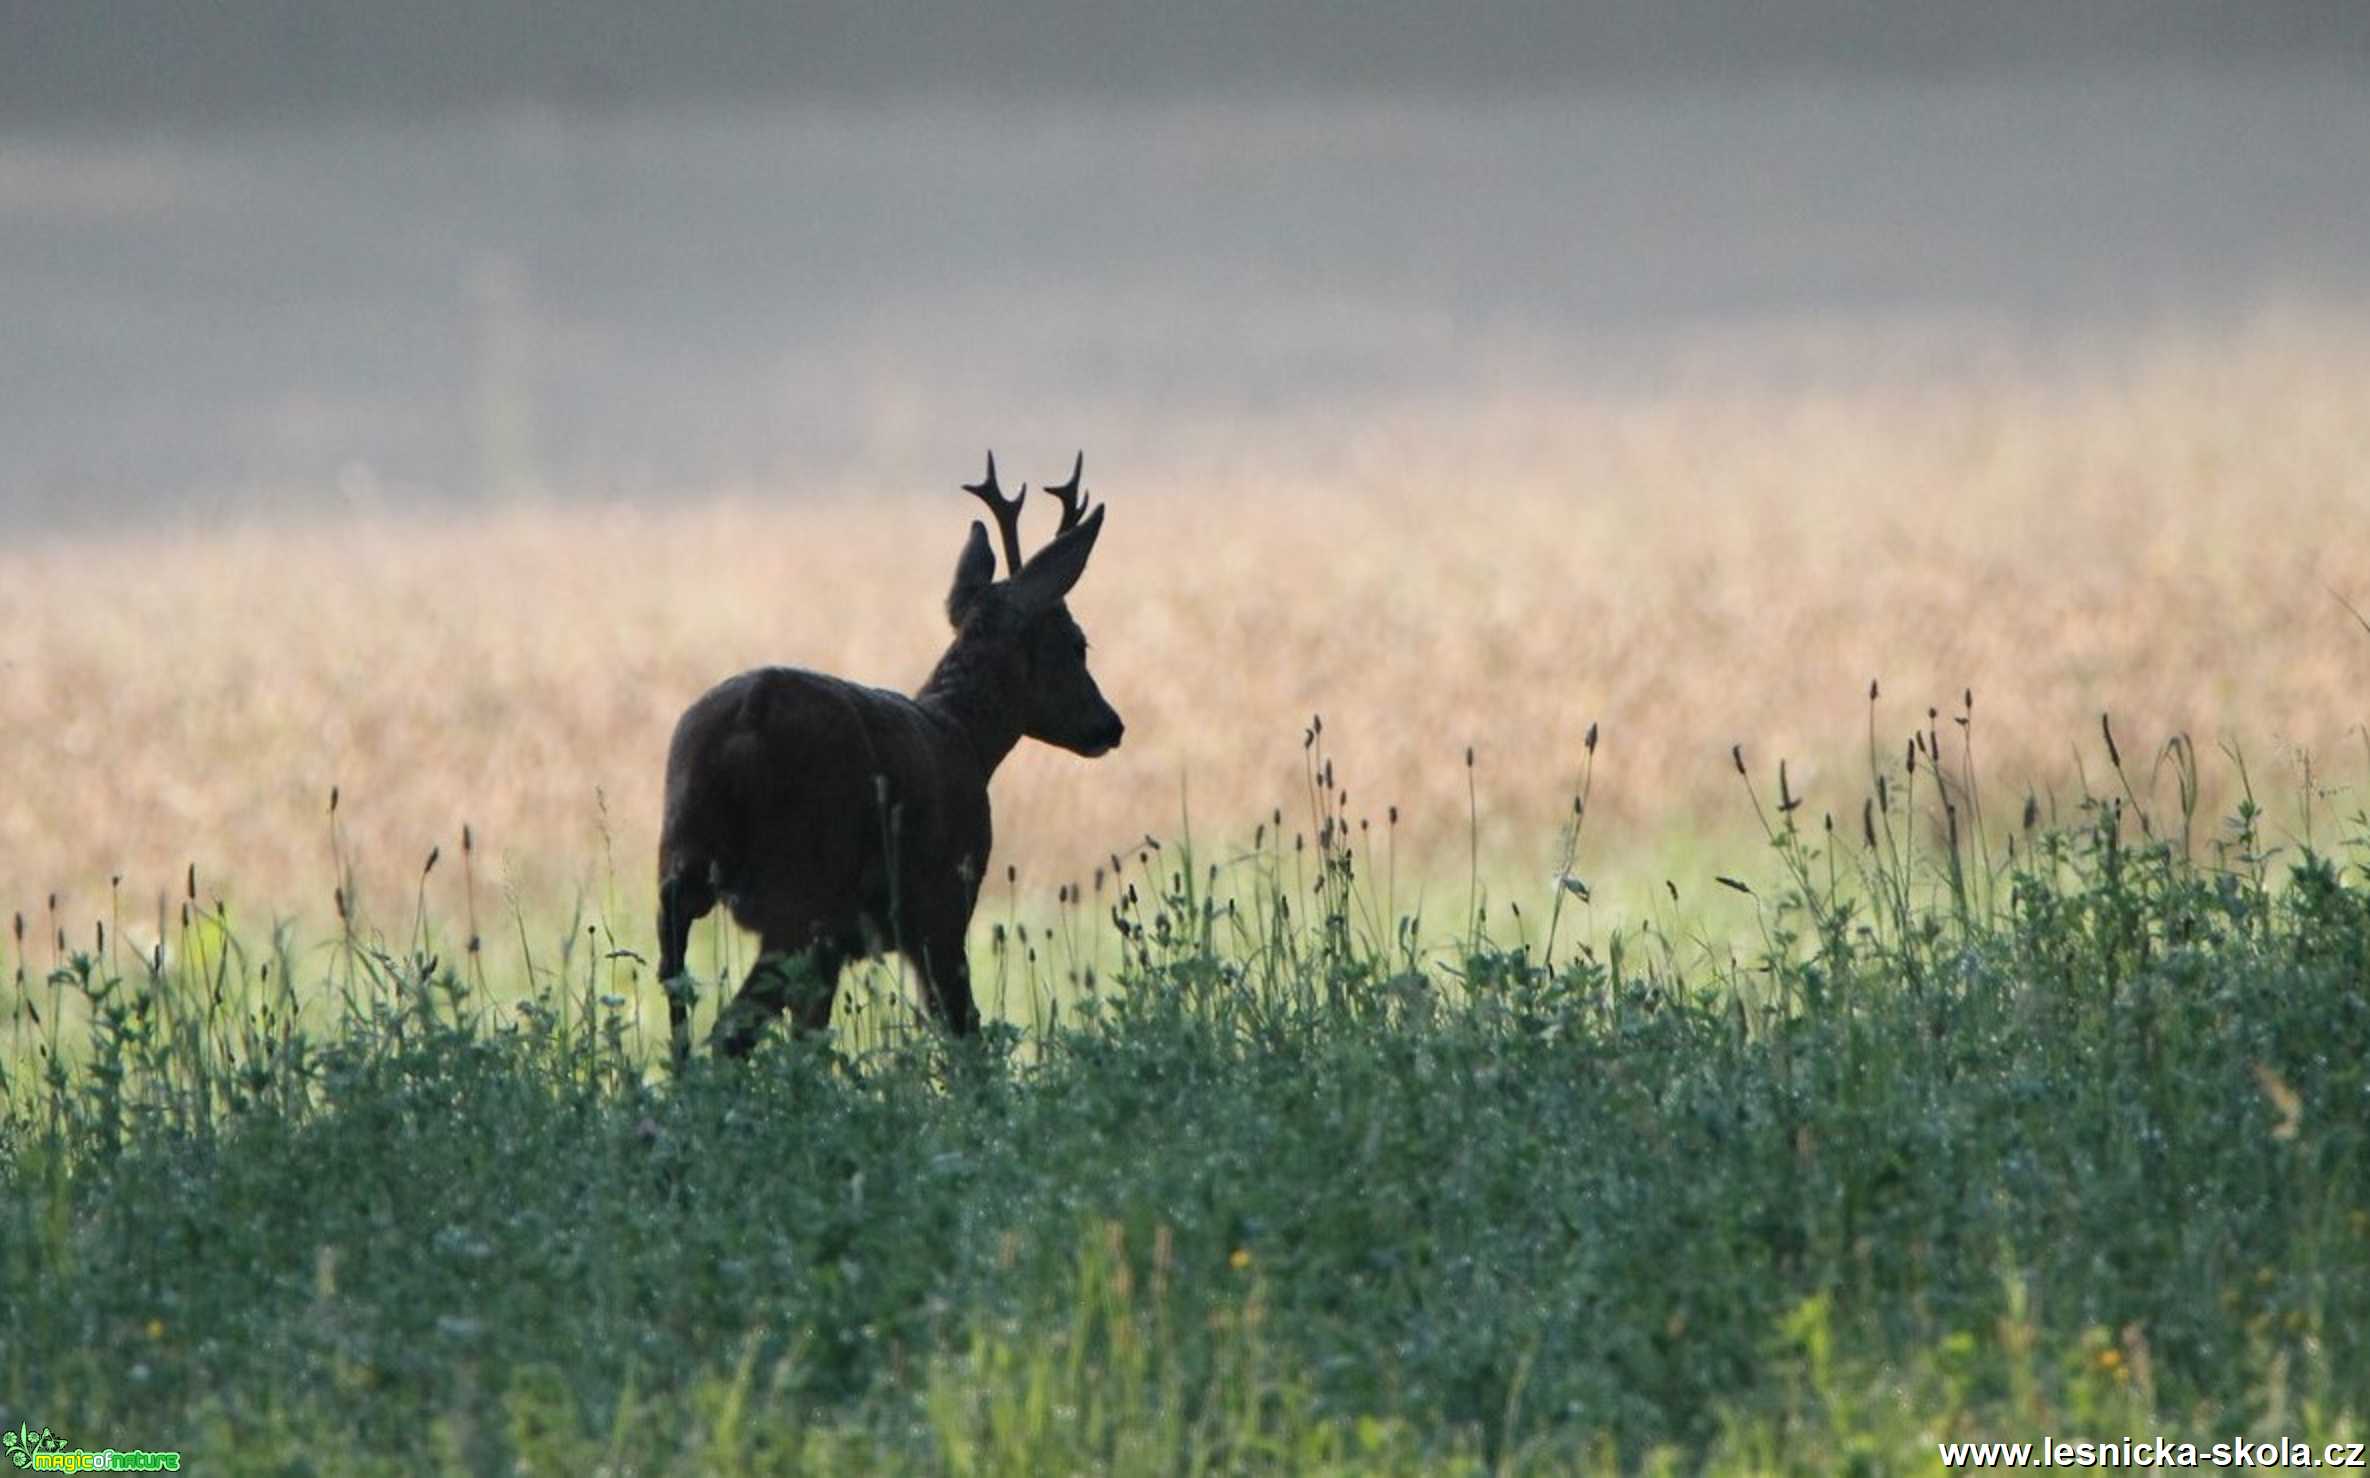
x: 833, y: 820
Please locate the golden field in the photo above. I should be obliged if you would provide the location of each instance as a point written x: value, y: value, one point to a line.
x: 2162, y: 532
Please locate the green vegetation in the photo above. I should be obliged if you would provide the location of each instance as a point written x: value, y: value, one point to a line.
x: 2059, y: 1136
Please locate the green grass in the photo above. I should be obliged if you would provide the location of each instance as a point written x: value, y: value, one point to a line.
x: 2066, y: 1139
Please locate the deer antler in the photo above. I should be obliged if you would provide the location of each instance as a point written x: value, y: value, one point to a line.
x: 1067, y: 494
x: 1007, y: 511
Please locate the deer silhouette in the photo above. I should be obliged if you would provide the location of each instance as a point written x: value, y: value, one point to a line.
x: 838, y: 821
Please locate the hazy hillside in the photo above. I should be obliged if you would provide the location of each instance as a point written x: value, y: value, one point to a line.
x: 278, y: 254
x: 145, y: 60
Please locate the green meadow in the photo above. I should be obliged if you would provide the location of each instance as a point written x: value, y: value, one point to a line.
x: 1942, y: 1121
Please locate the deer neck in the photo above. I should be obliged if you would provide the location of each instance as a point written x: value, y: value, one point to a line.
x: 977, y: 690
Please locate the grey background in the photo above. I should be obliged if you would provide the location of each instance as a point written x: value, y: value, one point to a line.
x: 276, y: 254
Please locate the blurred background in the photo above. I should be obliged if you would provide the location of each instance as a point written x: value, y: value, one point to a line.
x: 258, y: 252
x: 430, y: 400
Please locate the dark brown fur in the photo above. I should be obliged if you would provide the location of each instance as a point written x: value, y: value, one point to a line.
x: 837, y: 821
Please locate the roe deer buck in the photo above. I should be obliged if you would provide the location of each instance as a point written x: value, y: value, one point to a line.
x: 834, y: 819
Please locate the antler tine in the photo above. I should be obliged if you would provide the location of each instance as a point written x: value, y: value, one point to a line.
x: 1067, y: 494
x: 1007, y: 511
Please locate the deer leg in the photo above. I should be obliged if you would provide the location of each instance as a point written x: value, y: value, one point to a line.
x: 946, y: 979
x: 810, y: 1010
x: 681, y: 902
x: 801, y: 982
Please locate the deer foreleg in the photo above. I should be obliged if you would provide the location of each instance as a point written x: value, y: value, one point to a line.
x: 946, y: 978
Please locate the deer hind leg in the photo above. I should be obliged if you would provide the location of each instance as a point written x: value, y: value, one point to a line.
x: 682, y: 900
x: 801, y: 982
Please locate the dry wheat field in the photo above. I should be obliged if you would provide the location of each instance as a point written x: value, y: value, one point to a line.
x: 2163, y: 532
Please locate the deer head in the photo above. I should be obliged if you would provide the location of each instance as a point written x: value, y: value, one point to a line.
x: 1024, y: 621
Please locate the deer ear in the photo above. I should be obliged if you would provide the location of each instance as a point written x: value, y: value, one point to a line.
x: 974, y: 573
x: 1043, y: 581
